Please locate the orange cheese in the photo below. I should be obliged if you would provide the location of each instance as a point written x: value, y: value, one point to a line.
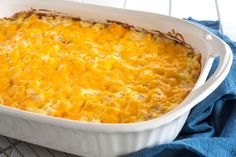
x: 105, y: 73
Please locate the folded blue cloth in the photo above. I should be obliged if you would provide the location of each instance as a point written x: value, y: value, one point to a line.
x: 210, y: 129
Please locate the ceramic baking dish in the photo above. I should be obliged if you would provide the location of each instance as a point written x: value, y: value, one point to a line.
x: 93, y: 139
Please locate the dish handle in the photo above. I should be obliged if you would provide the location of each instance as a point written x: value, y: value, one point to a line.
x: 225, y: 55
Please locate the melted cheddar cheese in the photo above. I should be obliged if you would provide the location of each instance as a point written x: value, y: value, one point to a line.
x: 94, y: 72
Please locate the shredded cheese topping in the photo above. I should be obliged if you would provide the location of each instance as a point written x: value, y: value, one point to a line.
x: 94, y: 72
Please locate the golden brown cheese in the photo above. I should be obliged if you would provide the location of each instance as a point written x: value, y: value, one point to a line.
x: 94, y: 72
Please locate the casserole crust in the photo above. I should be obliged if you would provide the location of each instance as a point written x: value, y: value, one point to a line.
x: 88, y: 71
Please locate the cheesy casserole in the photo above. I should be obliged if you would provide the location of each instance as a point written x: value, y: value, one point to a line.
x: 94, y: 72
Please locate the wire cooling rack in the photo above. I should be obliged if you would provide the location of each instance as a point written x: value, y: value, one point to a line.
x: 14, y: 148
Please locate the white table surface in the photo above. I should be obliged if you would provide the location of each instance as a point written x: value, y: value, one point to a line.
x: 223, y: 10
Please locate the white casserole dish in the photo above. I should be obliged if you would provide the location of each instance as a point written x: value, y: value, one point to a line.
x: 93, y: 139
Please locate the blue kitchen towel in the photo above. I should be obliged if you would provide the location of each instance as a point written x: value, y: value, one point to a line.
x: 210, y: 129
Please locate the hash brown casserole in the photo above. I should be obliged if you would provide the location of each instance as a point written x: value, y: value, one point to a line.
x: 95, y: 72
